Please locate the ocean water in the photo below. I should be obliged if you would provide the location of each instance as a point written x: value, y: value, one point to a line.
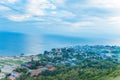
x: 12, y: 44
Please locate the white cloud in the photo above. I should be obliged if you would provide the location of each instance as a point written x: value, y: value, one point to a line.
x: 108, y: 24
x: 59, y: 2
x: 18, y: 18
x: 8, y: 1
x: 114, y: 19
x: 111, y: 20
x: 67, y: 14
x: 63, y: 14
x: 37, y: 7
x: 76, y: 26
x: 12, y: 1
x: 3, y: 8
x: 113, y: 23
x: 81, y: 24
x: 33, y: 8
x: 105, y: 3
x: 35, y: 12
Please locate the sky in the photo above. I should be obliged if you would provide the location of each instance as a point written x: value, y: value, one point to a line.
x: 90, y: 18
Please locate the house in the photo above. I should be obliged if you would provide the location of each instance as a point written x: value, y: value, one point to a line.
x: 36, y: 72
x: 2, y: 75
x: 28, y: 65
x: 12, y: 78
x: 14, y: 75
x: 39, y: 67
x: 51, y: 68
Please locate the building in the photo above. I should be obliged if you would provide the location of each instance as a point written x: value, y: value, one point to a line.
x: 2, y: 75
x: 14, y: 75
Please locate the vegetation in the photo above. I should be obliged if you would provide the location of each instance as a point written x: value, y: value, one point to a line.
x: 76, y: 64
x: 78, y: 73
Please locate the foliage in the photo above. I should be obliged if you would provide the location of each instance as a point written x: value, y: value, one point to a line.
x: 89, y: 64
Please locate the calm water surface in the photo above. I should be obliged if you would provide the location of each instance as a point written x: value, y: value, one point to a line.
x: 17, y: 43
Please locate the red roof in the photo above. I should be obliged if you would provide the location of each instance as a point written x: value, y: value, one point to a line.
x: 12, y: 77
x: 51, y: 68
x: 29, y: 65
x: 40, y: 66
x: 36, y: 72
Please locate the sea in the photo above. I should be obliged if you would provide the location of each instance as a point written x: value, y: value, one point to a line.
x: 14, y: 44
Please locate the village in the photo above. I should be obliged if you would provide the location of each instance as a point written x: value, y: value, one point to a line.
x: 14, y: 66
x: 8, y: 65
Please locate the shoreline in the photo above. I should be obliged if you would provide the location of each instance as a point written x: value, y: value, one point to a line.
x: 27, y: 55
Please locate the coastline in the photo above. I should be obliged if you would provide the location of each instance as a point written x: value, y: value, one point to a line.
x: 71, y: 56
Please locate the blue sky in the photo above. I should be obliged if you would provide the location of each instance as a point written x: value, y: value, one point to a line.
x: 64, y: 17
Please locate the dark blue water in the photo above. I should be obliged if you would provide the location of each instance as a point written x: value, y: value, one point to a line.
x: 16, y: 43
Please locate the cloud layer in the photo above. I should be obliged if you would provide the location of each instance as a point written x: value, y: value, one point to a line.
x: 70, y: 16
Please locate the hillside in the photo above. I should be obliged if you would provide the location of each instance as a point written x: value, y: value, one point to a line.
x: 73, y: 63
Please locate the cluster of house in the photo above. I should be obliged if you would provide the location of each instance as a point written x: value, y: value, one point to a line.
x: 33, y: 72
x: 14, y: 75
x: 2, y: 75
x: 7, y: 69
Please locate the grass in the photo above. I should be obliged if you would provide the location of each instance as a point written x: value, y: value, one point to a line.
x: 10, y: 61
